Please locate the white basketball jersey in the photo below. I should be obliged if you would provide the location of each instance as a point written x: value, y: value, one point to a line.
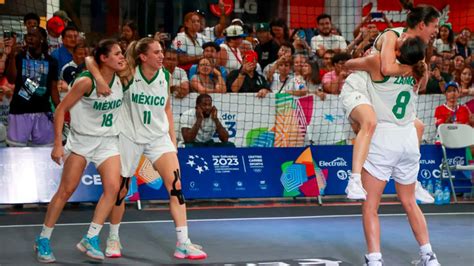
x: 393, y: 99
x: 398, y: 31
x: 144, y: 117
x: 97, y: 116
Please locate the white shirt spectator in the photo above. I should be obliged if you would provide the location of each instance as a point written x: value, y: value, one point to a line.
x: 442, y: 47
x: 208, y: 32
x: 208, y: 127
x: 280, y: 86
x: 182, y: 43
x: 234, y: 58
x: 328, y: 42
x: 54, y: 43
x: 179, y: 76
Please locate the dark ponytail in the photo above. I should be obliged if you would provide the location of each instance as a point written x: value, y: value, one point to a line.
x: 103, y: 48
x: 418, y: 14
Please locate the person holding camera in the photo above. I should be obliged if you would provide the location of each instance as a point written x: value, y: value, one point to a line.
x: 199, y: 124
x: 436, y: 83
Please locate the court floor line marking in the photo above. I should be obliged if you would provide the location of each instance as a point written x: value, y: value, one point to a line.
x: 245, y: 219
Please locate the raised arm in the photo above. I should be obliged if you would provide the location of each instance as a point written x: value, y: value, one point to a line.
x: 103, y: 88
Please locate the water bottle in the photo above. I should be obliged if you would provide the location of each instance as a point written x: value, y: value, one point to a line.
x: 429, y: 187
x: 423, y: 184
x: 438, y: 194
x: 446, y: 195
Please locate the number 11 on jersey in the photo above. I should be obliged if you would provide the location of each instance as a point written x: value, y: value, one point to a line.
x: 146, y: 117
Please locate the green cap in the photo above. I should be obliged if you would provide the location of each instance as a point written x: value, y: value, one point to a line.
x: 262, y: 27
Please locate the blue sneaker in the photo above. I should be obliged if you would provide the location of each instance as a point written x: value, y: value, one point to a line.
x: 43, y: 250
x: 91, y: 246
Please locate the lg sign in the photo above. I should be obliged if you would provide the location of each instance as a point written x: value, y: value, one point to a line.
x: 238, y: 6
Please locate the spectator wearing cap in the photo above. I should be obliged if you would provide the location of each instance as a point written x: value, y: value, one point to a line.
x: 247, y: 79
x: 451, y: 112
x: 333, y: 81
x: 267, y: 49
x: 212, y: 33
x: 326, y: 40
x: 34, y: 73
x: 31, y: 20
x: 64, y: 53
x: 54, y: 26
x: 230, y: 56
x: 279, y: 31
x: 189, y: 43
x: 179, y: 83
x: 63, y: 15
x: 210, y: 52
x: 72, y: 69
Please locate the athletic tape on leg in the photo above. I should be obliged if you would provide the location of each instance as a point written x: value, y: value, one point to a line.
x: 125, y: 183
x: 177, y: 192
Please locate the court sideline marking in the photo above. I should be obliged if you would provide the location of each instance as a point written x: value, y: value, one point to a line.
x: 245, y: 219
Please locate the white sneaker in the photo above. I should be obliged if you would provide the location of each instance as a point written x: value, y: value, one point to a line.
x: 114, y: 247
x: 355, y: 190
x: 427, y: 260
x: 373, y: 262
x: 422, y: 195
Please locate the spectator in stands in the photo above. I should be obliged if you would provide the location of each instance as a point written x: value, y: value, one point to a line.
x: 279, y: 31
x: 465, y: 82
x: 179, y: 83
x: 267, y: 49
x: 444, y: 43
x: 199, y: 124
x: 298, y: 61
x: 203, y: 82
x: 364, y: 41
x: 210, y: 52
x: 286, y: 51
x: 63, y: 54
x: 446, y: 67
x: 333, y: 81
x: 71, y: 70
x: 436, y: 83
x: 128, y: 34
x: 63, y: 15
x: 462, y: 48
x: 458, y: 65
x: 31, y: 20
x: 35, y: 75
x: 6, y: 92
x: 451, y: 112
x: 326, y: 40
x: 281, y: 81
x: 212, y: 33
x: 326, y: 63
x: 300, y: 44
x: 247, y: 79
x: 189, y: 43
x: 245, y: 46
x: 367, y: 23
x: 310, y: 72
x: 230, y: 56
x: 54, y: 26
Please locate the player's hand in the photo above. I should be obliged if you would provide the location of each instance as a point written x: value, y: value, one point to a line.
x: 103, y: 89
x: 57, y: 154
x: 214, y: 113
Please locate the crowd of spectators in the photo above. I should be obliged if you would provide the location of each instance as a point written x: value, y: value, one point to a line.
x: 235, y: 57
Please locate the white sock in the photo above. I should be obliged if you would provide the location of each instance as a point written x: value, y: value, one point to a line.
x: 94, y: 230
x: 355, y: 176
x: 425, y: 249
x: 374, y: 256
x: 182, y: 233
x: 114, y: 230
x: 46, y: 232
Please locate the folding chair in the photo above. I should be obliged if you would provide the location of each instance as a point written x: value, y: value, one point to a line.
x: 453, y: 136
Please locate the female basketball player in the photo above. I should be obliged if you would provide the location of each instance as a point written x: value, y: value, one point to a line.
x: 394, y: 148
x: 93, y: 138
x: 148, y: 129
x: 421, y: 21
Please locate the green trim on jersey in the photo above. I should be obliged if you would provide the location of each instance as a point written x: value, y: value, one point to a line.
x: 126, y: 87
x: 87, y: 74
x: 385, y: 79
x: 143, y: 76
x: 167, y: 77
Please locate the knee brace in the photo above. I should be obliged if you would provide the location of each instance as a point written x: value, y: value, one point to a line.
x: 177, y: 192
x: 125, y: 183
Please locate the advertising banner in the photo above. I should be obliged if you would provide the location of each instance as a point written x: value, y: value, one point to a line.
x: 29, y: 175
